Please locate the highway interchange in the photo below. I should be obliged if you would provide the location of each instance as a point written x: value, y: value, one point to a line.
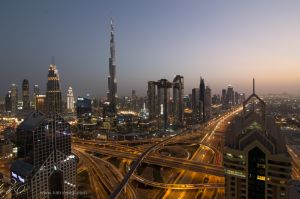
x: 200, y: 176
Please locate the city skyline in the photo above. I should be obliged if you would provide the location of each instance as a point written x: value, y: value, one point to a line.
x: 151, y: 46
x: 149, y: 99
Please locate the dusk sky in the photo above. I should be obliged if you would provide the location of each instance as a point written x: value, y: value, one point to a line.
x: 226, y: 42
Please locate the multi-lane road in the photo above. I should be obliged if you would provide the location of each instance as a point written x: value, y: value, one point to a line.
x: 201, y: 176
x: 202, y: 155
x: 104, y: 177
x: 160, y: 160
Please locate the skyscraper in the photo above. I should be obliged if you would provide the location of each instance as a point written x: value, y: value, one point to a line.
x: 83, y: 107
x: 70, y: 100
x: 202, y: 98
x: 196, y: 104
x: 230, y: 97
x: 256, y: 161
x: 178, y: 86
x: 112, y: 79
x: 53, y: 93
x: 8, y: 102
x: 36, y: 90
x: 25, y: 95
x: 45, y: 164
x: 14, y: 98
x: 163, y: 98
x: 223, y: 98
x: 152, y: 99
x: 237, y: 99
x: 133, y: 101
x: 208, y: 102
x: 40, y: 103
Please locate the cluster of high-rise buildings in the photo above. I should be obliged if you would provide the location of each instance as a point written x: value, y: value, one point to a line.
x: 161, y: 107
x: 170, y: 110
x: 230, y: 98
x: 44, y: 166
x: 12, y: 98
x: 255, y: 158
x: 50, y: 102
x: 132, y: 103
x: 201, y: 102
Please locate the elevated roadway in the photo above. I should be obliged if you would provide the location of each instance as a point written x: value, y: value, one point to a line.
x: 177, y: 186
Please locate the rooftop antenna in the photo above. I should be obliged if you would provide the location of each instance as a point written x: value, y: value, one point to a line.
x: 253, y: 102
x: 111, y: 22
x: 53, y: 60
x: 253, y: 86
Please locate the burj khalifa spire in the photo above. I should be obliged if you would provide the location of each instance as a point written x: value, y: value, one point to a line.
x: 112, y: 79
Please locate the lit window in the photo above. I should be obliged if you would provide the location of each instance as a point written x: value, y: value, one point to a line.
x: 261, y: 178
x: 282, y: 193
x: 229, y: 154
x: 282, y: 182
x: 235, y: 173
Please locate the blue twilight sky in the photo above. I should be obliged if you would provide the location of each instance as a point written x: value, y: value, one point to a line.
x: 226, y: 42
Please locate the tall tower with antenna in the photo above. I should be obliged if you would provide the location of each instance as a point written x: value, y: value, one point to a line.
x: 112, y: 79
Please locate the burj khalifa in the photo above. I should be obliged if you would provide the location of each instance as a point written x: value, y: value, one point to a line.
x: 112, y: 79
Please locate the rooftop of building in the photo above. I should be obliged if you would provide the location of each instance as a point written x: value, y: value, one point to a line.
x: 253, y: 124
x: 32, y: 121
x: 21, y: 168
x: 241, y: 130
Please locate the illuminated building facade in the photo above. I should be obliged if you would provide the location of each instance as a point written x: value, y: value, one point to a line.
x: 53, y: 93
x: 70, y: 100
x: 256, y: 161
x: 25, y: 95
x: 36, y: 90
x: 45, y: 165
x: 112, y: 79
x: 14, y: 98
x: 40, y: 103
x: 8, y: 102
x: 83, y: 107
x: 6, y: 148
x: 178, y: 92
